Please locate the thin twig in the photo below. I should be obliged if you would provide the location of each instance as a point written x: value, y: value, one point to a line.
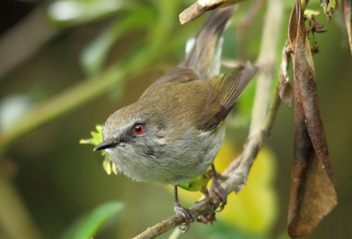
x: 201, y: 6
x: 261, y: 125
x: 266, y: 62
x: 238, y: 171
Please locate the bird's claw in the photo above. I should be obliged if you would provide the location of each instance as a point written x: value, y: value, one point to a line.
x: 218, y: 195
x: 207, y: 219
x: 186, y: 215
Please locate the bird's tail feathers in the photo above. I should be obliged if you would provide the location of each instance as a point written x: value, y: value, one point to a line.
x: 204, y: 51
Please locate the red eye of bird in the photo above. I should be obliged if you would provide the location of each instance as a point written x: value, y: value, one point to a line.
x: 138, y: 129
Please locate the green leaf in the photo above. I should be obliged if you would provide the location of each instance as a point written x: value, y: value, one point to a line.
x: 73, y: 12
x: 97, y: 137
x: 87, y: 226
x: 94, y: 55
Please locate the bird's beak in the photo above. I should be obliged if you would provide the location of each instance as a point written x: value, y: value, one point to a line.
x: 105, y: 145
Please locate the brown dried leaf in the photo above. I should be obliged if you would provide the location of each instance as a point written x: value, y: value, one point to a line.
x: 347, y: 14
x: 311, y: 190
x: 312, y: 193
x: 293, y: 26
x: 304, y: 73
x: 201, y: 6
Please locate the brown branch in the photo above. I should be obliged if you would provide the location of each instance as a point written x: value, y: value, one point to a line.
x: 201, y: 6
x: 237, y: 172
x: 266, y: 62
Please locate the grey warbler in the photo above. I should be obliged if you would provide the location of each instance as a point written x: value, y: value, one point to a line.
x: 175, y: 129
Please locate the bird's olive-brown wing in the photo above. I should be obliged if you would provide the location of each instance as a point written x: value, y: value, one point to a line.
x: 179, y: 74
x: 224, y: 89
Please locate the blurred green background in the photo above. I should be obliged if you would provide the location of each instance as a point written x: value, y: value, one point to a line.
x: 66, y: 65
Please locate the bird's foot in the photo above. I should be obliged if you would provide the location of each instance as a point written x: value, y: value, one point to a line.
x: 185, y: 214
x: 207, y: 218
x: 217, y: 193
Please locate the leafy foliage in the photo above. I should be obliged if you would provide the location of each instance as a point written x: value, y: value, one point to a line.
x: 95, y: 140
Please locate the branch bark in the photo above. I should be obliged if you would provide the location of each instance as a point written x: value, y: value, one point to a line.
x: 201, y: 6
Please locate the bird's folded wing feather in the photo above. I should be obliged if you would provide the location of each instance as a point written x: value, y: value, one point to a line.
x: 224, y: 90
x: 177, y: 75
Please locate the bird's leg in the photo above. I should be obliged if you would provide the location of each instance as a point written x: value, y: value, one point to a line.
x: 216, y: 191
x: 184, y: 212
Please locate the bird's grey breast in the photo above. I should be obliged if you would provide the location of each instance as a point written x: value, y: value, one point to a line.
x: 172, y: 163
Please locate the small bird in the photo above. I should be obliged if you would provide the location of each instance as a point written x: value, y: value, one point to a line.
x: 175, y: 129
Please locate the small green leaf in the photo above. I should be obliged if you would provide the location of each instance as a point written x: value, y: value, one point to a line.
x: 87, y: 226
x: 73, y: 12
x: 97, y: 137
